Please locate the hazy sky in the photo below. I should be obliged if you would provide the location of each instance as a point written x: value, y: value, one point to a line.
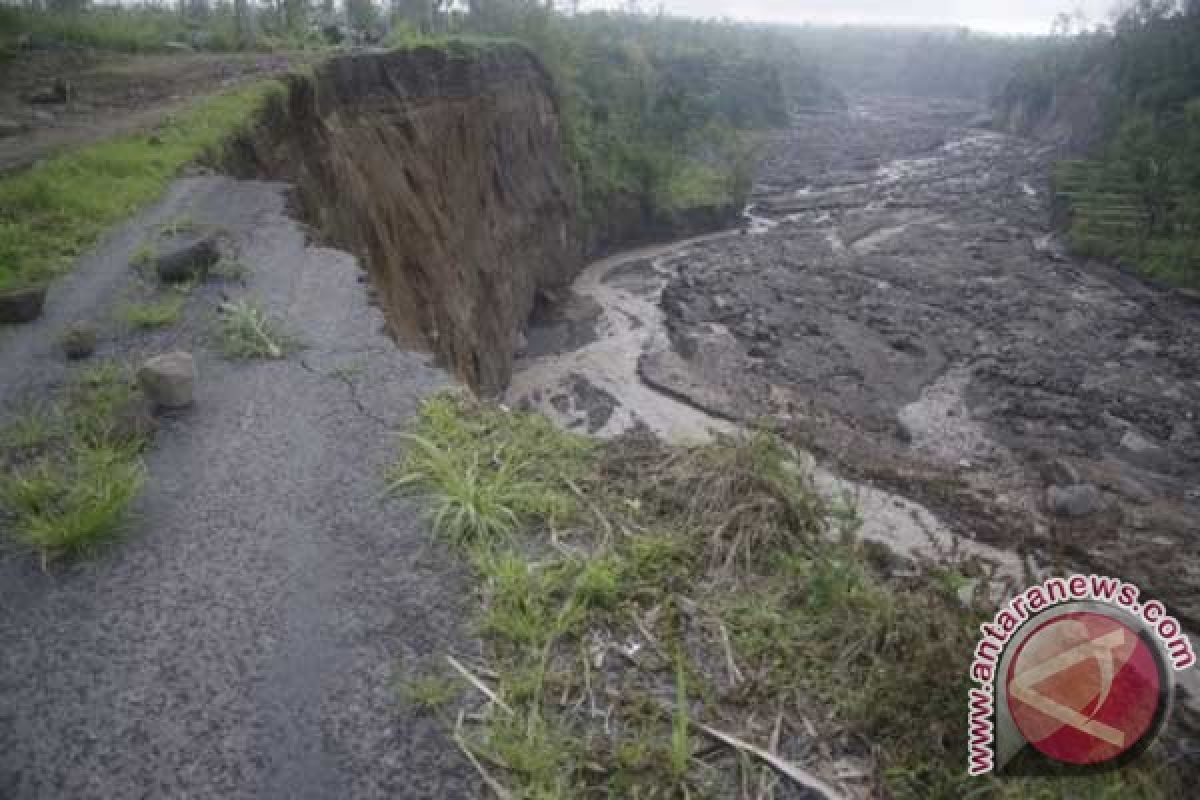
x: 1009, y: 16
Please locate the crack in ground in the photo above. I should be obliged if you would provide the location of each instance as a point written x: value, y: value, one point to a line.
x: 352, y: 390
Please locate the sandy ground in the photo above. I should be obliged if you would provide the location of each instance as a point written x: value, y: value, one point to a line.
x: 245, y: 638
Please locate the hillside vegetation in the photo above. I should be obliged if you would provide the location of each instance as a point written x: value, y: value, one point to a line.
x: 658, y: 109
x: 1135, y: 198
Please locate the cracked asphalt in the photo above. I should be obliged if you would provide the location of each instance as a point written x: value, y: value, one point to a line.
x: 245, y: 637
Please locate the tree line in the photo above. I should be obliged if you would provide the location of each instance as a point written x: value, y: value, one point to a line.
x: 1136, y: 196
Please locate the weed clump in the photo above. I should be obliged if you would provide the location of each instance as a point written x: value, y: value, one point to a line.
x: 246, y: 331
x: 153, y: 314
x: 73, y: 475
x: 657, y: 618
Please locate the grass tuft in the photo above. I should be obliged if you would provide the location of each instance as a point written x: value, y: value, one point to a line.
x: 68, y: 508
x: 153, y: 314
x: 431, y: 693
x: 73, y: 476
x: 30, y: 431
x: 246, y: 331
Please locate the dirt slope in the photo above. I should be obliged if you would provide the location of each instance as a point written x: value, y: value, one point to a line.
x: 444, y: 170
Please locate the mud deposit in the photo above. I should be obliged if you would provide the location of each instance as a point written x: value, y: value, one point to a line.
x: 896, y: 302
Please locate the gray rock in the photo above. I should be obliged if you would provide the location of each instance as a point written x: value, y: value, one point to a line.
x: 1134, y: 442
x: 1139, y: 346
x: 79, y: 342
x: 188, y: 259
x: 21, y: 305
x: 169, y: 380
x: 1079, y: 500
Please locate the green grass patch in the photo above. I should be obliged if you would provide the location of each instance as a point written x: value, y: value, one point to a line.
x: 431, y: 693
x: 31, y: 430
x: 632, y: 592
x: 131, y: 30
x: 154, y: 313
x: 696, y: 185
x: 482, y: 477
x: 54, y: 211
x: 72, y: 474
x: 68, y: 507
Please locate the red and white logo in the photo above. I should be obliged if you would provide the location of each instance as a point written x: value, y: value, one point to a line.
x: 1077, y: 670
x: 1084, y: 688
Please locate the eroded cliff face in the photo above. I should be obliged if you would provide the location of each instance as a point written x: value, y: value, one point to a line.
x: 444, y: 171
x: 1074, y: 117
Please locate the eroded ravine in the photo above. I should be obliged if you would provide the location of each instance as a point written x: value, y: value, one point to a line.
x: 897, y: 301
x: 594, y: 362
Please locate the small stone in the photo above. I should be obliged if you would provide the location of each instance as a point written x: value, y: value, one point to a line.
x: 21, y: 305
x: 1079, y: 500
x: 1134, y: 442
x: 1061, y: 472
x: 189, y: 260
x: 168, y: 380
x: 79, y: 342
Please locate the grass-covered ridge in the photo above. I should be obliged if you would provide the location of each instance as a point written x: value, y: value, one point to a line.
x: 54, y: 211
x: 639, y: 599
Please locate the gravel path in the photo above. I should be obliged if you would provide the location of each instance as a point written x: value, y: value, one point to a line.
x: 244, y: 639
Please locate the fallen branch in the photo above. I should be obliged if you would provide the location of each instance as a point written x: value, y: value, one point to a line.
x: 800, y: 776
x: 478, y: 684
x: 491, y: 782
x: 735, y: 674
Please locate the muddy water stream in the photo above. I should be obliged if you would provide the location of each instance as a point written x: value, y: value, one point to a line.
x: 596, y: 385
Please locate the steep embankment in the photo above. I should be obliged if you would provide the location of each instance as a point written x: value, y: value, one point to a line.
x: 443, y: 170
x: 1074, y: 116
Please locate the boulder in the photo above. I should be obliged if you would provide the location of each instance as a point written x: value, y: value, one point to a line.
x: 1079, y: 500
x: 187, y: 259
x: 78, y: 342
x: 23, y: 304
x: 168, y: 380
